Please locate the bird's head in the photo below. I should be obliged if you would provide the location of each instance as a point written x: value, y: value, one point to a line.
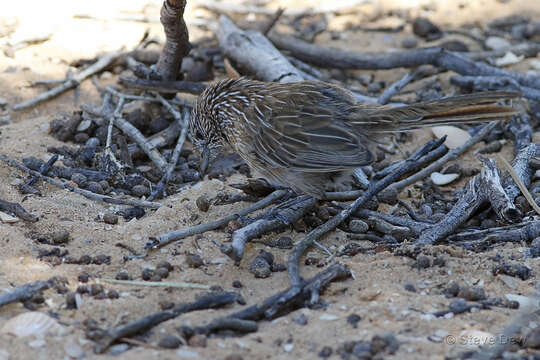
x: 206, y: 128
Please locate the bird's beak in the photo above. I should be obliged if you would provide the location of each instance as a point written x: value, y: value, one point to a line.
x: 205, y: 161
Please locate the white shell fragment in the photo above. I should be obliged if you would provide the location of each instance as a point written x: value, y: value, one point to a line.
x: 443, y: 179
x: 8, y: 219
x: 508, y: 59
x: 456, y: 137
x: 30, y: 323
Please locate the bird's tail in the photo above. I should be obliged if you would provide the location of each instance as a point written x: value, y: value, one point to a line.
x: 451, y: 110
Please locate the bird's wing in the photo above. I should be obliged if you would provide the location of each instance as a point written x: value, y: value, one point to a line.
x: 303, y: 128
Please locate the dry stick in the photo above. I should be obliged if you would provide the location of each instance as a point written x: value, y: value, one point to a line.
x: 22, y: 293
x: 88, y: 194
x: 338, y: 58
x: 161, y: 139
x: 412, y: 164
x: 43, y: 169
x: 149, y: 321
x: 158, y: 192
x: 95, y: 68
x: 483, y: 83
x: 328, y: 7
x: 273, y: 21
x: 254, y: 52
x: 161, y: 86
x: 449, y: 156
x: 176, y: 45
x: 135, y: 135
x: 281, y: 302
x: 18, y: 210
x: 266, y: 225
x: 400, y: 84
x: 167, y: 238
x: 483, y: 188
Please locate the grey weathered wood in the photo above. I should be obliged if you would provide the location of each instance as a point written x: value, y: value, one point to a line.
x: 254, y: 52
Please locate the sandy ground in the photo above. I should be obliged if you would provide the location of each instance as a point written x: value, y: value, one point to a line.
x: 377, y: 293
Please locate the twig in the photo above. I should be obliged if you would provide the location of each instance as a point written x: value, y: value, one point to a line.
x: 272, y: 22
x: 183, y: 123
x: 520, y: 184
x: 253, y: 51
x: 449, y: 156
x: 167, y: 238
x: 102, y: 63
x: 274, y: 221
x: 338, y: 58
x: 307, y: 294
x: 44, y: 169
x: 161, y: 86
x: 23, y: 293
x: 88, y: 194
x: 412, y: 164
x: 170, y: 284
x: 18, y: 210
x: 149, y: 321
x: 483, y: 83
x: 483, y: 188
x: 400, y: 84
x: 137, y: 136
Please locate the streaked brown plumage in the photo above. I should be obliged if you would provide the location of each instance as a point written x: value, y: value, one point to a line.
x: 308, y: 134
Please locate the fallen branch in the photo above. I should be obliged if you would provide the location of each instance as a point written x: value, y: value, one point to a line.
x: 23, y: 293
x: 107, y: 338
x: 338, y: 58
x: 161, y: 86
x: 100, y: 65
x: 483, y: 83
x: 278, y: 218
x: 167, y: 238
x: 88, y: 194
x: 412, y: 164
x: 18, y: 210
x: 252, y: 50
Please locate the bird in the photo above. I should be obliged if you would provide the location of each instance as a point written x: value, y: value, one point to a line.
x: 310, y: 135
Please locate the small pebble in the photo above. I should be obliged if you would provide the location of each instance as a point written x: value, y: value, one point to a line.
x: 409, y: 286
x: 422, y: 262
x: 473, y: 293
x: 409, y: 42
x: 147, y: 274
x: 325, y: 352
x: 71, y: 301
x: 165, y: 264
x: 497, y: 43
x: 95, y: 187
x: 194, y: 260
x: 458, y: 306
x: 83, y: 277
x: 110, y: 218
x: 278, y: 267
x: 237, y: 284
x: 163, y: 273
x: 454, y: 45
x: 122, y: 275
x: 80, y: 180
x: 134, y: 212
x: 170, y: 342
x: 198, y: 340
x: 60, y: 237
x: 140, y: 190
x: 260, y: 268
x: 203, y: 203
x: 300, y: 319
x: 113, y: 294
x: 101, y: 259
x: 358, y: 226
x: 96, y: 289
x: 353, y: 320
x: 424, y: 28
x: 81, y: 138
